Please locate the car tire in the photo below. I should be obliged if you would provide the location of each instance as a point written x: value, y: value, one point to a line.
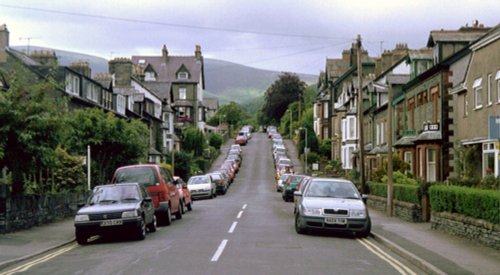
x: 81, y: 237
x: 189, y: 207
x: 183, y: 207
x: 178, y: 214
x: 141, y: 231
x: 152, y: 225
x: 365, y: 233
x: 298, y: 225
x: 168, y: 217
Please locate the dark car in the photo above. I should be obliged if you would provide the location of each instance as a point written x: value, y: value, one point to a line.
x: 116, y: 208
x: 291, y: 186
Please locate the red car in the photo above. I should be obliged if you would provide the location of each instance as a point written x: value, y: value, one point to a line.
x: 159, y: 184
x: 184, y: 192
x: 241, y: 139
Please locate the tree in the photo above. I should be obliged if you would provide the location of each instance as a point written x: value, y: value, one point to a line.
x: 287, y: 89
x: 113, y: 141
x: 31, y: 123
x: 193, y: 141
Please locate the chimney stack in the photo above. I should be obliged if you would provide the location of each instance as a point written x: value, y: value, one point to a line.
x: 164, y: 54
x: 197, y: 53
x: 45, y: 57
x: 81, y: 67
x: 121, y: 68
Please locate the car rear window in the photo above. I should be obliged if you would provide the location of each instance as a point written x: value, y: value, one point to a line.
x: 144, y: 175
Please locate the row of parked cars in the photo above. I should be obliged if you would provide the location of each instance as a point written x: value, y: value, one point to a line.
x: 138, y: 199
x: 331, y: 204
x: 217, y: 182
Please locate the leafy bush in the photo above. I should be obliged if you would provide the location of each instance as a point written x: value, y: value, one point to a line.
x: 463, y: 181
x: 490, y: 182
x: 400, y: 178
x: 215, y: 140
x: 472, y: 202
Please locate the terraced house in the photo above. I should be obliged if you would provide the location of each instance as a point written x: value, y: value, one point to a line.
x: 436, y: 95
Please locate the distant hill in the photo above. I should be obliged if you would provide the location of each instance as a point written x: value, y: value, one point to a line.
x: 225, y: 80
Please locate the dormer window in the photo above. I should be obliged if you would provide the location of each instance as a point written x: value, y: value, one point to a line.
x: 182, y: 75
x: 149, y: 76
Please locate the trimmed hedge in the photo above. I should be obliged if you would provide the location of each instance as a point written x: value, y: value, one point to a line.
x: 402, y: 192
x: 471, y: 202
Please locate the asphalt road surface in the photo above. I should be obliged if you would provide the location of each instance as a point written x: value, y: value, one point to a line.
x: 250, y: 230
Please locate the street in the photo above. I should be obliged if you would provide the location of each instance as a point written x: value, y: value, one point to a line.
x: 250, y: 230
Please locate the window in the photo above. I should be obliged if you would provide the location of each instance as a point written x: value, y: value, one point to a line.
x: 182, y: 93
x: 72, y: 84
x: 490, y: 156
x: 93, y: 93
x: 490, y: 100
x: 149, y: 76
x: 325, y: 110
x: 478, y: 91
x: 182, y: 75
x: 431, y: 165
x: 352, y: 127
x: 497, y: 78
x: 408, y: 158
x: 466, y: 105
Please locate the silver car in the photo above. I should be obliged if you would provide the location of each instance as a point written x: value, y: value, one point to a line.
x: 202, y: 187
x: 332, y: 204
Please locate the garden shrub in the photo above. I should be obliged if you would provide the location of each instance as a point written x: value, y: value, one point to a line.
x: 471, y: 202
x: 402, y: 192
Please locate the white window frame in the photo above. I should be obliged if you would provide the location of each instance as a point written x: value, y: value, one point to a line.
x: 182, y: 93
x: 72, y: 84
x: 408, y: 158
x: 478, y: 91
x: 466, y: 105
x: 149, y: 76
x: 182, y: 75
x: 325, y: 110
x: 497, y: 78
x: 93, y: 93
x: 490, y: 97
x: 490, y: 149
x: 431, y: 156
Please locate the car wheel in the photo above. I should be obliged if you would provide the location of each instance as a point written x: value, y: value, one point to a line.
x: 178, y: 215
x: 189, y: 208
x: 141, y: 231
x: 365, y: 233
x: 183, y: 207
x: 152, y: 225
x: 81, y: 237
x: 168, y: 217
x: 298, y: 225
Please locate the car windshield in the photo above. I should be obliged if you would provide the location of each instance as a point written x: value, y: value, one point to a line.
x: 144, y: 175
x: 114, y: 194
x: 198, y: 180
x: 331, y: 189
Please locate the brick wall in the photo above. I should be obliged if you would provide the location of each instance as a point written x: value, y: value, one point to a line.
x: 25, y: 212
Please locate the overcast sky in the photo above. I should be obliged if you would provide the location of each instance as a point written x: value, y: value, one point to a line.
x: 282, y: 35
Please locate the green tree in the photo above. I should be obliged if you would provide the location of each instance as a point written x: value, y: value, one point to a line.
x: 31, y: 123
x: 215, y: 140
x: 113, y: 141
x: 193, y: 141
x: 286, y: 89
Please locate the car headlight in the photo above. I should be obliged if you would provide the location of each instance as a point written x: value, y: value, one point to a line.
x: 358, y: 213
x: 130, y: 214
x: 82, y: 218
x: 312, y: 211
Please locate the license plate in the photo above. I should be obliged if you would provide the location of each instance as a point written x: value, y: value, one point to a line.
x: 111, y: 222
x: 335, y: 220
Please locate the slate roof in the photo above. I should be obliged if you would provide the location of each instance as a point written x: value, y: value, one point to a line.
x: 461, y: 35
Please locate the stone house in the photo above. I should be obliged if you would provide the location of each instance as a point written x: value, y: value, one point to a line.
x: 475, y: 100
x: 181, y: 82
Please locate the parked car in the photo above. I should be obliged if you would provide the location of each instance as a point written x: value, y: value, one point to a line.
x: 184, y: 193
x: 290, y: 186
x: 116, y: 208
x: 241, y: 139
x: 332, y: 204
x: 160, y: 185
x: 221, y: 183
x: 281, y: 181
x: 202, y: 187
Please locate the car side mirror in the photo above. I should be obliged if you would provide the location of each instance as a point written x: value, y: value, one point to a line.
x: 148, y: 199
x: 80, y: 204
x: 297, y: 194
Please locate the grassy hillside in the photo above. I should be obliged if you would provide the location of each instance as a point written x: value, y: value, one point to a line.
x: 225, y: 80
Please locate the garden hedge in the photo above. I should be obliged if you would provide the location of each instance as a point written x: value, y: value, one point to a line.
x: 402, y: 192
x: 471, y: 202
